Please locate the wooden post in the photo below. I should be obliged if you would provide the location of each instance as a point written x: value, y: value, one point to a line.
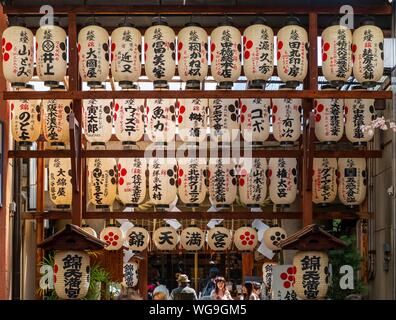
x: 143, y: 275
x: 247, y: 265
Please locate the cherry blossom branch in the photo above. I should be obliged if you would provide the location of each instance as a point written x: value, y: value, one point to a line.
x: 379, y: 122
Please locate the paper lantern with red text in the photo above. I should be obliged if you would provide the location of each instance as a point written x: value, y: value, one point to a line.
x: 192, y: 119
x: 252, y: 184
x: 161, y: 120
x: 60, y: 182
x: 255, y: 120
x: 324, y: 181
x: 223, y: 119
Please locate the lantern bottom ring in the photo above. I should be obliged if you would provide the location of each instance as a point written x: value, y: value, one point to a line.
x: 283, y: 206
x: 162, y: 206
x: 256, y: 143
x: 369, y: 84
x: 129, y: 143
x: 257, y: 84
x: 323, y: 205
x: 286, y: 143
x: 225, y: 85
x: 102, y: 206
x: 57, y: 144
x: 131, y: 205
x: 337, y: 83
x: 360, y: 144
x: 352, y: 206
x: 160, y: 84
x: 25, y: 143
x: 51, y: 83
x: 98, y: 143
x: 94, y: 84
x: 293, y: 84
x: 193, y: 84
x: 327, y: 143
x: 18, y: 84
x: 192, y: 205
x: 63, y: 206
x: 222, y: 206
x: 253, y: 205
x: 126, y: 84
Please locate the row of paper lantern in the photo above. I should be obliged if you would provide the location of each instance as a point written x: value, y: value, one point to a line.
x: 342, y: 52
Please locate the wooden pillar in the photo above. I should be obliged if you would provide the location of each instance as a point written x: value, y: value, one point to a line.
x: 143, y: 275
x: 247, y: 265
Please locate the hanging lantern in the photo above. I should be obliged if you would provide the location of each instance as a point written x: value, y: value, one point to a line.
x: 192, y: 238
x: 192, y: 119
x: 162, y: 181
x: 283, y: 181
x: 93, y: 55
x: 219, y: 239
x: 51, y: 54
x: 192, y: 55
x: 337, y: 53
x: 223, y: 119
x: 312, y: 265
x: 358, y: 113
x: 161, y: 120
x: 131, y: 275
x: 368, y: 53
x: 137, y: 239
x: 352, y: 181
x: 56, y: 114
x: 113, y: 236
x: 258, y: 44
x: 329, y: 126
x: 102, y: 181
x: 292, y: 53
x: 89, y: 230
x: 267, y: 270
x: 17, y: 45
x: 132, y: 181
x: 245, y: 239
x: 272, y: 236
x: 252, y: 184
x: 60, y: 184
x: 286, y: 119
x: 222, y: 182
x: 324, y: 181
x: 165, y: 238
x: 226, y: 51
x: 25, y: 119
x: 159, y: 53
x: 126, y: 47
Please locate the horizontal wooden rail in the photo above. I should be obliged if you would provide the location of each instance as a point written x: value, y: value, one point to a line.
x: 348, y: 154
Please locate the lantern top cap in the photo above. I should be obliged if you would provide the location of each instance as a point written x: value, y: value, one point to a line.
x: 55, y: 22
x: 17, y: 22
x: 192, y: 24
x: 126, y: 23
x: 367, y: 21
x: 335, y: 21
x: 228, y: 22
x: 260, y: 20
x: 159, y: 21
x: 292, y: 21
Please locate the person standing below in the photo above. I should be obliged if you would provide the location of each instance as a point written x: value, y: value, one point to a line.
x: 256, y: 291
x: 220, y: 292
x: 183, y: 291
x: 247, y: 290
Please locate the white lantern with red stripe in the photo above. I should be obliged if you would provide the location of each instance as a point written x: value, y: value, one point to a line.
x: 165, y: 238
x: 245, y: 238
x: 219, y: 238
x: 161, y: 120
x: 192, y: 238
x: 324, y: 181
x: 113, y: 236
x: 192, y: 119
x: 60, y: 182
x: 223, y: 119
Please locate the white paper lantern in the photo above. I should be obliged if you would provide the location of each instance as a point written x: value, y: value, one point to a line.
x: 165, y: 238
x: 267, y: 269
x: 192, y: 238
x: 252, y: 184
x: 113, y: 236
x: 245, y: 238
x: 272, y: 236
x: 60, y: 184
x: 161, y: 120
x: 131, y: 275
x: 89, y: 230
x: 137, y: 239
x: 192, y: 119
x: 324, y: 181
x: 223, y: 119
x: 219, y: 239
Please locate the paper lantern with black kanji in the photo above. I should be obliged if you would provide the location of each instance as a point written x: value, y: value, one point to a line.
x: 71, y: 274
x: 223, y: 119
x: 352, y: 181
x: 286, y: 119
x: 222, y: 182
x: 131, y: 275
x: 60, y: 184
x: 165, y: 238
x: 329, y: 118
x: 25, y: 119
x: 272, y: 236
x: 162, y: 181
x: 102, y: 181
x: 126, y: 48
x: 267, y: 274
x: 312, y: 274
x: 292, y: 54
x: 282, y: 173
x: 337, y: 53
x: 219, y: 239
x: 192, y: 238
x: 159, y: 53
x: 192, y: 119
x: 56, y: 113
x: 51, y: 54
x: 252, y: 184
x: 137, y: 239
x: 359, y: 112
x: 131, y: 181
x: 89, y: 230
x: 225, y: 55
x: 192, y: 53
x: 113, y: 236
x: 258, y: 52
x: 255, y: 120
x: 324, y: 181
x: 368, y: 53
x: 161, y: 120
x: 17, y: 48
x: 245, y: 238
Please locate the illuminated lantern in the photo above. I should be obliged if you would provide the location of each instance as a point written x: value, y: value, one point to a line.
x: 159, y: 53
x: 17, y: 45
x: 292, y: 54
x: 368, y: 53
x: 286, y: 119
x: 258, y: 44
x: 126, y: 47
x: 56, y: 114
x: 161, y: 120
x: 165, y: 238
x: 337, y: 53
x: 93, y: 55
x: 222, y: 182
x: 223, y: 119
x: 267, y: 270
x: 89, y: 230
x: 113, y: 236
x: 219, y: 239
x: 60, y: 185
x: 192, y: 238
x: 131, y: 275
x: 283, y: 181
x: 255, y: 120
x: 25, y: 119
x: 245, y: 238
x: 162, y: 181
x: 132, y: 181
x: 324, y: 181
x: 102, y: 181
x: 192, y: 55
x: 329, y: 118
x: 358, y: 113
x: 252, y: 184
x: 51, y: 54
x: 272, y: 236
x: 225, y: 57
x: 192, y: 119
x: 352, y: 181
x: 137, y: 239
